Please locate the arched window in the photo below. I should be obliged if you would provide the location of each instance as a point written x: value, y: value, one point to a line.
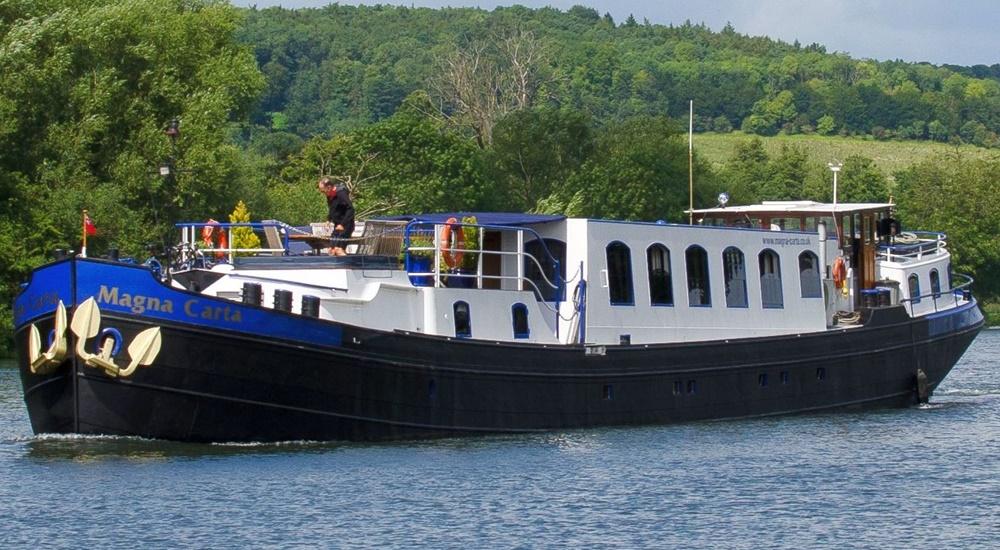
x: 770, y: 279
x: 914, y: 283
x: 620, y: 274
x: 661, y: 292
x: 696, y: 263
x: 809, y: 275
x: 735, y: 267
x: 463, y: 320
x: 519, y: 318
x: 935, y: 283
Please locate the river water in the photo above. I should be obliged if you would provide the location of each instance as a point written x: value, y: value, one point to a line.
x: 926, y: 477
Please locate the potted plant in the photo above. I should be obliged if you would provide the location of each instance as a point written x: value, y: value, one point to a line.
x: 419, y: 261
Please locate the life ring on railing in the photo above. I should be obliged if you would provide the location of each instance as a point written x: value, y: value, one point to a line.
x: 220, y: 240
x: 452, y: 243
x: 839, y: 272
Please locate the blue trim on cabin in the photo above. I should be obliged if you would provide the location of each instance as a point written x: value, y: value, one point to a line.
x: 509, y: 219
x: 829, y: 236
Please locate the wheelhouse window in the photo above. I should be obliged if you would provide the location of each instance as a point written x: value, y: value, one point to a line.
x: 696, y: 263
x: 809, y: 275
x: 519, y: 318
x: 914, y: 284
x: 735, y: 267
x: 661, y: 292
x: 463, y: 320
x: 770, y: 279
x: 935, y: 283
x: 620, y: 274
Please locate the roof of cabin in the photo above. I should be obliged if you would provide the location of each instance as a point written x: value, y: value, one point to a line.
x: 482, y: 218
x: 796, y: 207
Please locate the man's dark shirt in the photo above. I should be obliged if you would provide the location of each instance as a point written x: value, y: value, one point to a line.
x: 341, y: 211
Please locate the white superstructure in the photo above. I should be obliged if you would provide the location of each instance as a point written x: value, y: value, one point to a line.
x: 761, y: 270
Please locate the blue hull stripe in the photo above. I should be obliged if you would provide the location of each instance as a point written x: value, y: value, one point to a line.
x: 134, y: 291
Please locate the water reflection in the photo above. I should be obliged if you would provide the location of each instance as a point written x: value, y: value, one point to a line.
x: 82, y: 448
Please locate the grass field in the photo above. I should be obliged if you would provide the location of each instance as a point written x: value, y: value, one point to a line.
x: 890, y: 156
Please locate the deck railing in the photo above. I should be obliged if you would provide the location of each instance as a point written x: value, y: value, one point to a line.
x: 912, y: 246
x: 423, y: 240
x: 941, y: 300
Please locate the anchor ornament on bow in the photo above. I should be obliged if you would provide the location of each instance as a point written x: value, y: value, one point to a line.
x: 86, y: 324
x: 45, y: 362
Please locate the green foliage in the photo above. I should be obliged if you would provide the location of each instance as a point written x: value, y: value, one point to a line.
x: 86, y: 90
x: 825, y: 125
x: 957, y: 195
x: 638, y: 171
x: 341, y: 67
x: 534, y: 151
x: 243, y: 237
x: 406, y: 163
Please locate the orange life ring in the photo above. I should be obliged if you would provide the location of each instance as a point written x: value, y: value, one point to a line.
x: 452, y: 251
x: 839, y: 272
x: 221, y: 241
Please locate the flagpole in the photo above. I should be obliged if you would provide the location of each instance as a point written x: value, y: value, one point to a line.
x: 691, y: 162
x: 83, y: 251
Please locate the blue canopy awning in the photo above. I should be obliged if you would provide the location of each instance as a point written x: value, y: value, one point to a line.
x: 482, y: 218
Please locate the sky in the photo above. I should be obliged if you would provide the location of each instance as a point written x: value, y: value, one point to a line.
x: 960, y: 32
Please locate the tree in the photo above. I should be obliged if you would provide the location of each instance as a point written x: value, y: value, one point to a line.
x: 825, y: 125
x: 86, y: 91
x: 480, y: 82
x: 408, y: 163
x: 862, y: 181
x: 535, y: 150
x: 638, y: 171
x: 957, y: 195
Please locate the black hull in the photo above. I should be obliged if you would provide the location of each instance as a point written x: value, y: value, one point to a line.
x: 230, y: 372
x: 216, y: 385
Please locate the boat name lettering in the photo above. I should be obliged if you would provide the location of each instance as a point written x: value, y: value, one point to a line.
x: 136, y: 303
x: 214, y: 313
x: 44, y: 300
x: 787, y: 241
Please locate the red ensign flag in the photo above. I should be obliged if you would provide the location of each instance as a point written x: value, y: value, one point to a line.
x: 88, y: 226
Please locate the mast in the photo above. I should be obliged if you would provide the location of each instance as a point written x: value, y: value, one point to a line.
x: 691, y: 162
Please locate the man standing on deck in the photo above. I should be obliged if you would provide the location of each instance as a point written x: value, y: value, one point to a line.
x: 340, y: 214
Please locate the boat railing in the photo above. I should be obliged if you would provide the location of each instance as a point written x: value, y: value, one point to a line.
x: 423, y: 240
x: 195, y: 246
x: 940, y: 300
x: 911, y: 246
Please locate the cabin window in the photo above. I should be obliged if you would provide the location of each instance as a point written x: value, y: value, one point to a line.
x: 609, y: 392
x: 463, y: 321
x: 951, y: 279
x: 735, y: 268
x: 914, y: 283
x: 699, y: 291
x: 678, y: 387
x: 809, y: 274
x: 661, y: 292
x: 620, y: 274
x: 935, y: 283
x: 762, y: 380
x: 770, y: 279
x: 546, y: 268
x: 519, y: 317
